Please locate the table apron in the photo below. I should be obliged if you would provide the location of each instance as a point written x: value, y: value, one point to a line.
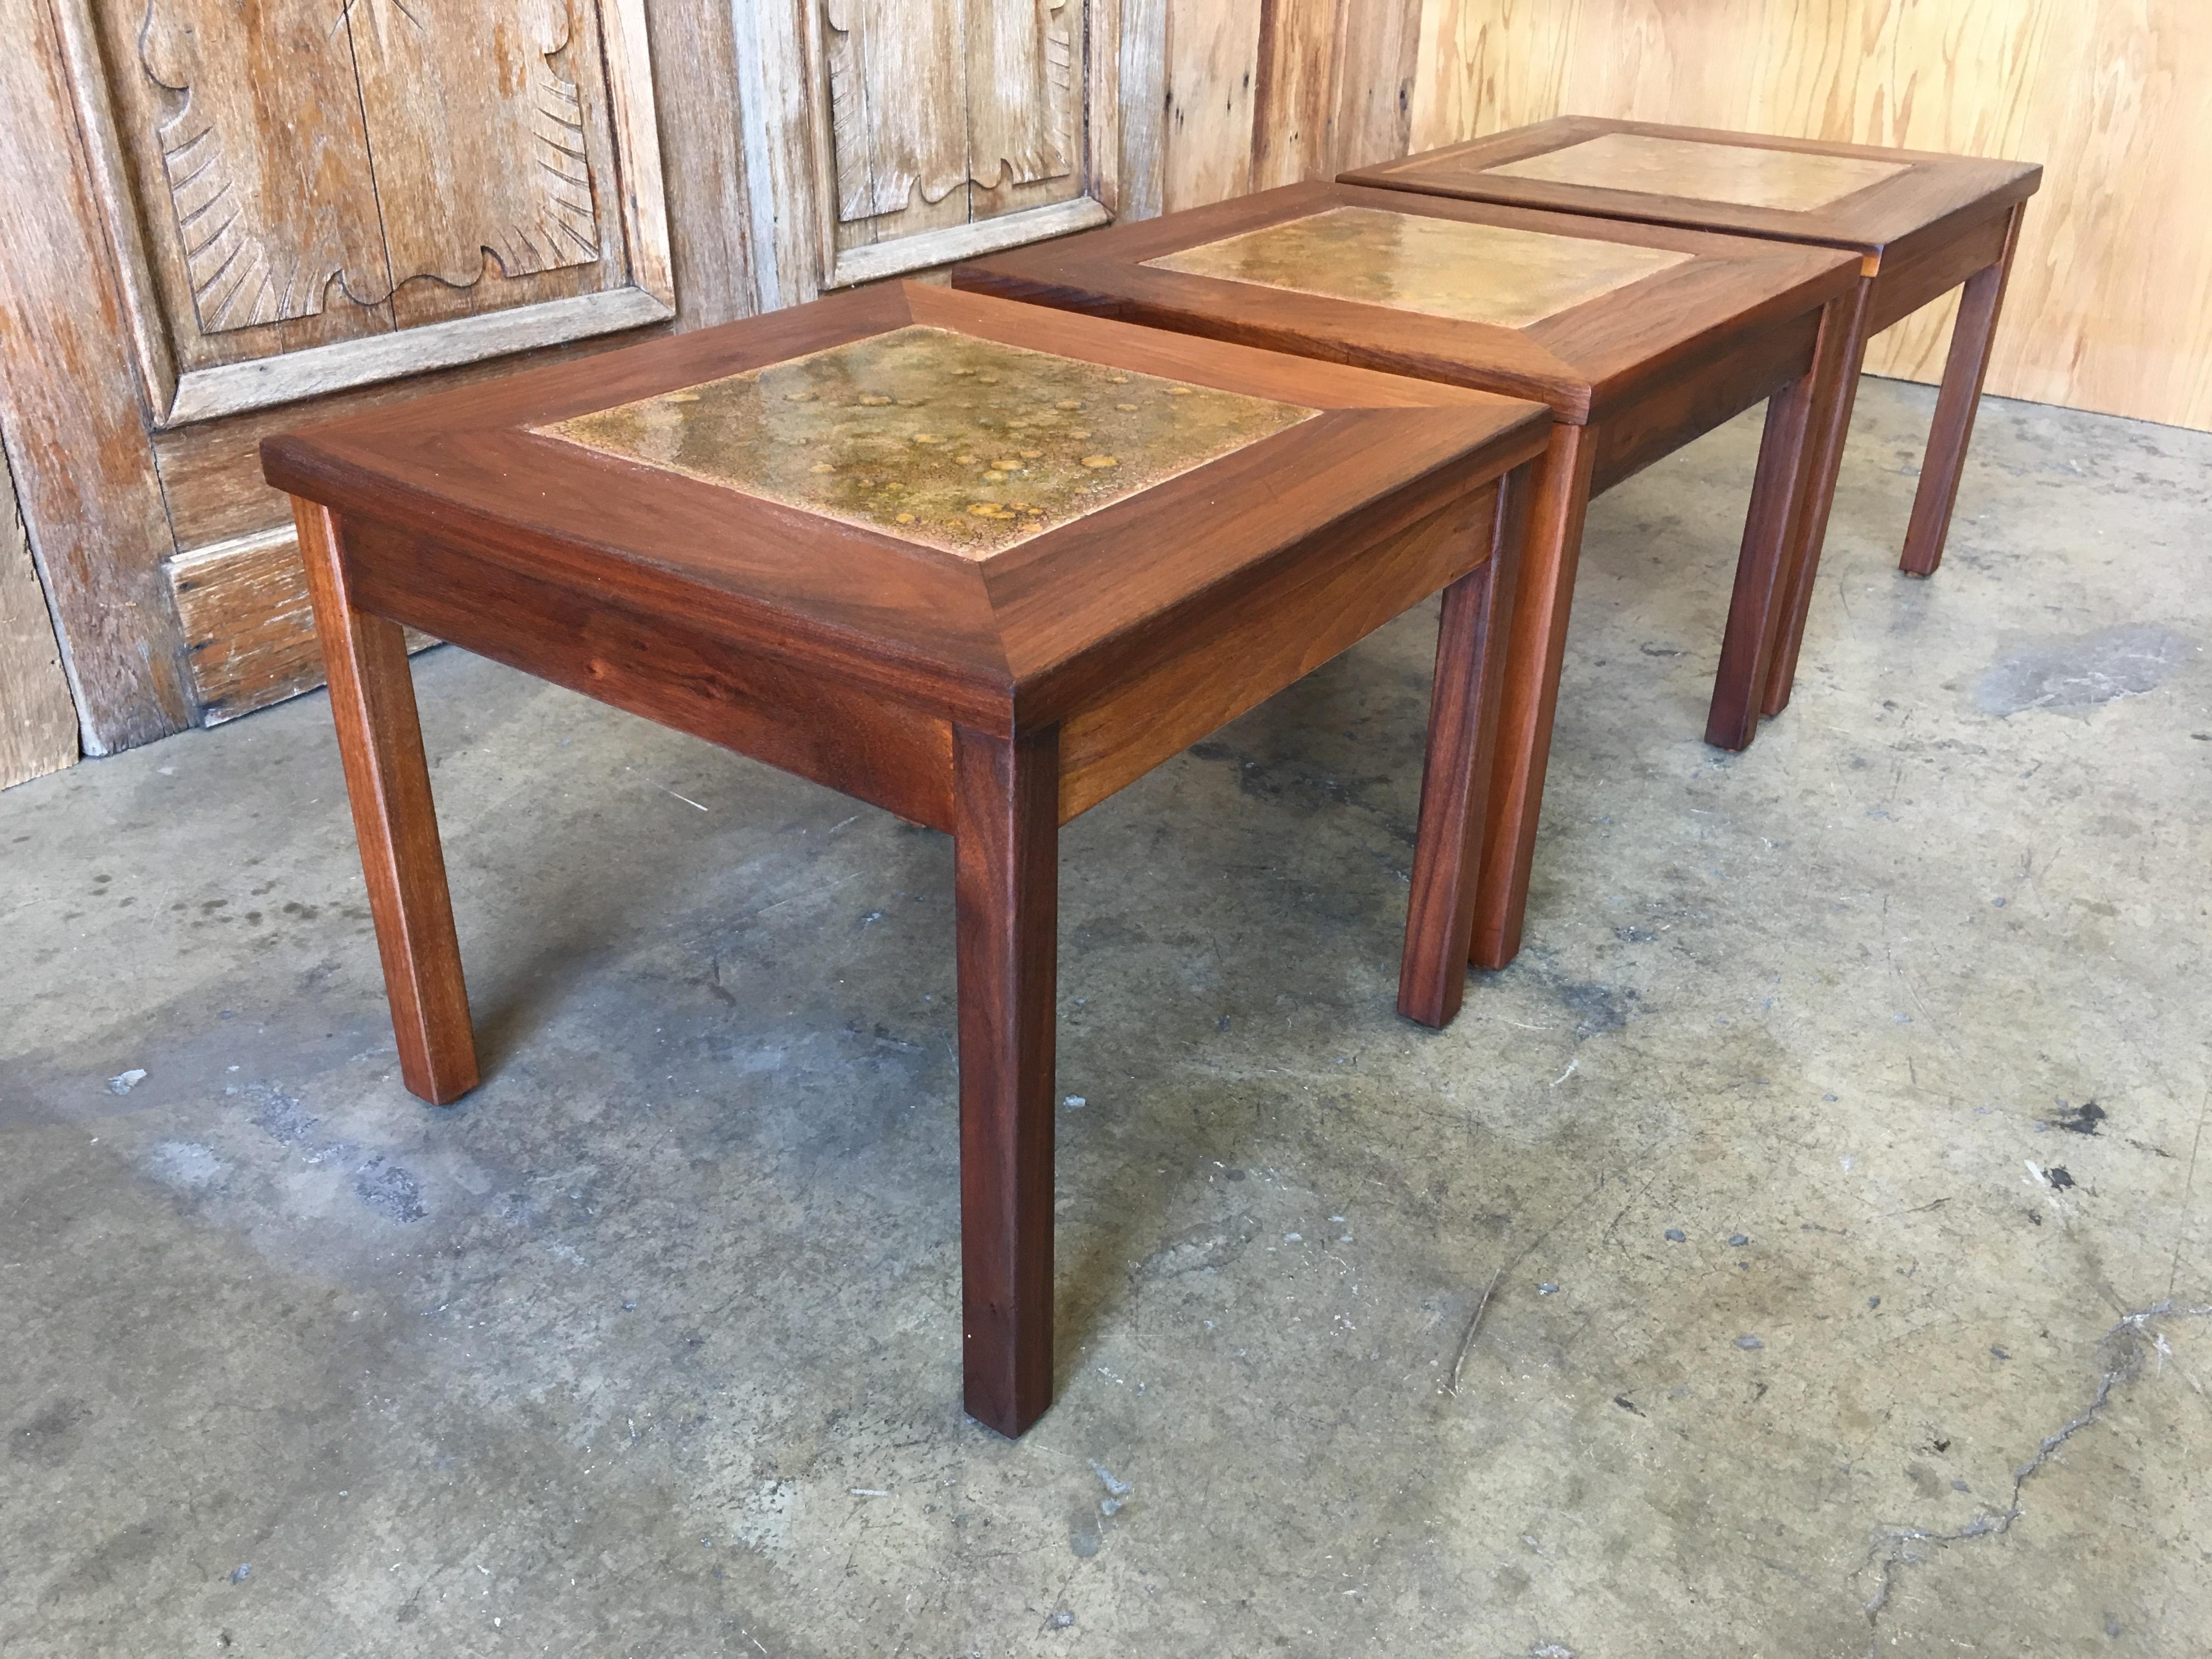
x: 1267, y: 639
x: 1926, y: 266
x: 1688, y: 405
x: 796, y: 719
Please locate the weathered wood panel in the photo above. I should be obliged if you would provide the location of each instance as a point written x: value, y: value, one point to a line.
x: 2111, y: 301
x: 1262, y: 92
x: 76, y: 433
x: 708, y: 179
x: 250, y: 625
x: 389, y: 166
x: 1378, y: 60
x: 1143, y: 97
x: 1293, y: 91
x: 37, y: 721
x: 932, y: 120
x: 302, y: 199
x: 1213, y: 59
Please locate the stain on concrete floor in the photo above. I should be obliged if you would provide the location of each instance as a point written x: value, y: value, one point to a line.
x: 2129, y: 661
x: 650, y: 1346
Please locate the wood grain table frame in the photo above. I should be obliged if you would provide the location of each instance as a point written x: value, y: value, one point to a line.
x: 1933, y: 223
x: 992, y: 697
x: 1630, y: 376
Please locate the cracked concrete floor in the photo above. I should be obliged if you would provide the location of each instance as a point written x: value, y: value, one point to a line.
x: 1833, y: 1151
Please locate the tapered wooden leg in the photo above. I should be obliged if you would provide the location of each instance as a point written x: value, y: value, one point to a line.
x: 1006, y: 890
x: 1536, y: 640
x: 1963, y: 373
x: 1831, y: 427
x: 1779, y: 490
x: 388, y: 782
x: 1477, y: 611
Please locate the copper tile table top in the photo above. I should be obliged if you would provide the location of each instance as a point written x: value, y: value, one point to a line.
x: 934, y: 436
x: 1748, y: 175
x: 1799, y: 189
x: 1475, y: 273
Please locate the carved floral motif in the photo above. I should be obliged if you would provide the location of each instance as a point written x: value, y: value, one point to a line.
x: 364, y: 143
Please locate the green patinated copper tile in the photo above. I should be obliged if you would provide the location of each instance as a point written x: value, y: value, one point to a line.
x: 936, y: 437
x: 1439, y: 267
x: 1793, y: 180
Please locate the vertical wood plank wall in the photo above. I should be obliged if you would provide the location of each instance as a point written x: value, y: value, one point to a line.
x: 2111, y: 303
x: 1261, y: 92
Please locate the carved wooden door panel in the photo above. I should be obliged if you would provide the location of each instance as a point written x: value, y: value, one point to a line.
x: 911, y: 133
x: 303, y: 201
x: 303, y: 184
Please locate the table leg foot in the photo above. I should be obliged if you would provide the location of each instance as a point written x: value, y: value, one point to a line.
x: 1478, y: 609
x: 1006, y: 884
x: 388, y: 783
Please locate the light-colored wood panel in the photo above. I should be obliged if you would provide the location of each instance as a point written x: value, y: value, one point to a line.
x: 1024, y: 105
x: 1141, y: 101
x: 1965, y: 79
x: 1213, y: 55
x: 1486, y: 66
x: 1296, y: 63
x: 2111, y: 300
x: 778, y: 64
x: 1333, y: 88
x: 37, y: 721
x: 2110, y: 304
x: 1377, y: 58
x: 293, y: 376
x: 707, y: 183
x: 1041, y: 112
x: 933, y: 121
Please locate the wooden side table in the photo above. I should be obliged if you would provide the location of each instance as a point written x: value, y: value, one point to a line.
x: 1639, y: 337
x: 1921, y: 225
x: 975, y: 562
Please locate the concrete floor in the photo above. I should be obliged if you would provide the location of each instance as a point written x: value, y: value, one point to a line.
x: 1830, y: 1160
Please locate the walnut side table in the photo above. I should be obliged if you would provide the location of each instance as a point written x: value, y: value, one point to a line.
x: 974, y: 562
x: 1921, y: 225
x: 1639, y: 337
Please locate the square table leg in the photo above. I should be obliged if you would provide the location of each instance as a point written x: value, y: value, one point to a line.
x: 388, y: 782
x: 1477, y: 611
x: 1961, y: 395
x: 1824, y: 461
x: 1536, y: 640
x: 1796, y: 472
x: 1006, y: 896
